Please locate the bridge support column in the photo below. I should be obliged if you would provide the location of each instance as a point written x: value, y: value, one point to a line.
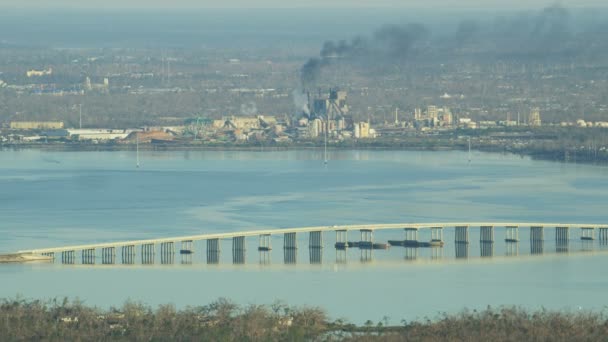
x: 341, y: 239
x: 68, y: 257
x: 486, y: 234
x: 511, y: 234
x: 437, y: 234
x: 512, y: 240
x: 367, y: 239
x: 587, y: 238
x: 290, y: 241
x: 213, y: 251
x: 238, y: 250
x: 461, y: 234
x: 411, y: 235
x: 265, y: 246
x: 128, y: 255
x: 167, y: 253
x: 603, y: 235
x: 290, y: 248
x: 148, y: 251
x: 108, y: 255
x: 562, y: 238
x: 461, y: 242
x: 186, y: 251
x: 537, y: 239
x: 315, y: 247
x: 88, y: 256
x: 265, y: 243
x: 50, y: 254
x: 587, y: 233
x: 315, y: 239
x: 486, y: 241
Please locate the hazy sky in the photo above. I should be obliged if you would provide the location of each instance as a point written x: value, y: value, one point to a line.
x: 143, y: 4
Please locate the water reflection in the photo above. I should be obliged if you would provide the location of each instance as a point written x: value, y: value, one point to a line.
x: 316, y: 255
x: 537, y: 247
x: 290, y: 256
x: 561, y: 246
x: 462, y: 250
x: 366, y: 254
x: 436, y: 253
x: 512, y: 249
x: 341, y: 255
x: 411, y: 253
x: 265, y: 257
x: 213, y: 257
x: 486, y: 249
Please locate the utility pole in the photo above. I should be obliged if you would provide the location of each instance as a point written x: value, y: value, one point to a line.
x: 80, y: 115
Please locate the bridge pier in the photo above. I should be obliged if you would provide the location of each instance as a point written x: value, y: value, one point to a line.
x: 461, y: 234
x: 411, y: 235
x: 167, y: 253
x: 108, y: 255
x: 265, y: 243
x: 290, y: 248
x: 562, y: 239
x: 486, y: 241
x: 50, y: 254
x: 88, y: 256
x: 213, y: 251
x: 537, y: 239
x: 603, y: 235
x: 486, y: 234
x: 587, y: 233
x: 367, y: 239
x: 315, y: 239
x: 68, y: 257
x: 128, y: 255
x: 265, y: 246
x: 461, y: 242
x: 290, y: 241
x: 148, y: 251
x: 186, y: 251
x: 437, y: 235
x: 238, y: 250
x: 315, y: 247
x: 341, y: 239
x: 511, y: 234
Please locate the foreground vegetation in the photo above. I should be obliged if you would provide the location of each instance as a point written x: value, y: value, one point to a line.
x: 225, y: 321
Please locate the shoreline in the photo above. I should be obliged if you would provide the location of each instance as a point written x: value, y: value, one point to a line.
x: 551, y: 155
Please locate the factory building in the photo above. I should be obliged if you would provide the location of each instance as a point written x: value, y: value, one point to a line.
x: 534, y: 118
x: 332, y: 105
x: 36, y: 125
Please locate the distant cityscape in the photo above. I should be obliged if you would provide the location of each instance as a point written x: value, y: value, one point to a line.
x: 322, y: 115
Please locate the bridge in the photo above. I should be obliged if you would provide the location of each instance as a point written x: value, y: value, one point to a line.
x: 166, y: 247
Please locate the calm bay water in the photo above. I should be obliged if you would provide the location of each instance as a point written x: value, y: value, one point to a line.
x: 59, y: 198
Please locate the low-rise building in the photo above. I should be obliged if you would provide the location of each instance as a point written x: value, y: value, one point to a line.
x: 36, y: 125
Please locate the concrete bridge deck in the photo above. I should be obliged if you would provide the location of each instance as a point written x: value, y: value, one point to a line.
x: 486, y: 232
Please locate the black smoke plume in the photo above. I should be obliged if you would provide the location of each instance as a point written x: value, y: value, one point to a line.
x: 391, y: 43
